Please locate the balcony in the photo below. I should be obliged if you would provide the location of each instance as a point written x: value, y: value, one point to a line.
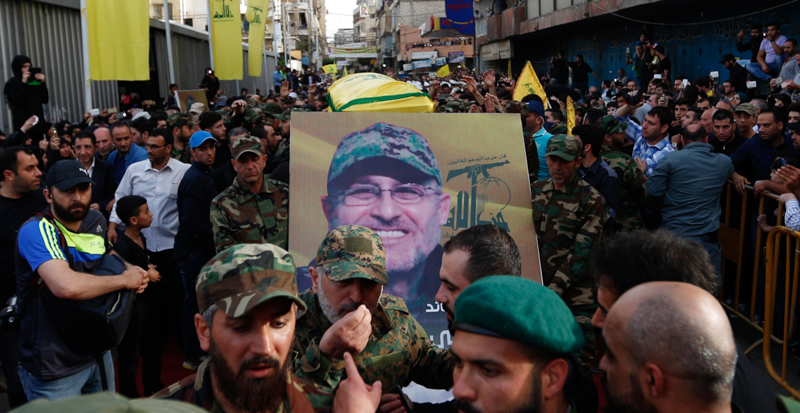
x: 504, y: 25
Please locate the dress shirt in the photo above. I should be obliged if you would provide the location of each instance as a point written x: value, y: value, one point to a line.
x: 90, y: 171
x: 652, y: 154
x: 160, y: 189
x: 792, y: 215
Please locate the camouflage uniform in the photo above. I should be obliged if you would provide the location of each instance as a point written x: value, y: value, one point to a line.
x: 398, y: 351
x: 532, y: 156
x: 568, y: 222
x: 239, y: 216
x: 238, y: 280
x: 634, y: 193
x: 177, y: 120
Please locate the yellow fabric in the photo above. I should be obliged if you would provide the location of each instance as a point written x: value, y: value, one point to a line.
x: 109, y: 21
x: 570, y: 115
x: 368, y: 86
x: 226, y: 35
x: 528, y: 83
x: 444, y: 71
x: 509, y: 69
x: 330, y: 69
x: 344, y: 71
x: 257, y: 17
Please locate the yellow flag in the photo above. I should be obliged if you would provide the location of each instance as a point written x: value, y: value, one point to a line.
x: 226, y: 34
x: 344, y: 71
x: 528, y: 83
x: 257, y: 17
x: 570, y: 115
x: 110, y: 21
x: 443, y: 71
x: 330, y: 69
x: 509, y: 69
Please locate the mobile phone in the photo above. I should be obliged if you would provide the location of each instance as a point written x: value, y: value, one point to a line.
x: 35, y: 120
x: 113, y: 110
x: 627, y: 50
x: 685, y: 82
x: 406, y: 405
x: 121, y: 115
x: 94, y: 112
x: 751, y: 84
x: 783, y: 162
x: 656, y: 76
x: 715, y: 75
x: 36, y: 71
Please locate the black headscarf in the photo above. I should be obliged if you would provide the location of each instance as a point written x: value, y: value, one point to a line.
x: 17, y: 63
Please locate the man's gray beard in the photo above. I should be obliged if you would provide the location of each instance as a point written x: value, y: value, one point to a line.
x: 327, y: 308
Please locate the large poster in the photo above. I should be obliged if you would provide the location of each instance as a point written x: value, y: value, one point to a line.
x: 429, y: 176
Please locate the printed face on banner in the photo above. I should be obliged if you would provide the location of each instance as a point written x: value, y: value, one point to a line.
x: 417, y: 180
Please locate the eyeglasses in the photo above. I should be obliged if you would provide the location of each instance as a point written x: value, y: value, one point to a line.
x: 363, y: 195
x: 154, y: 147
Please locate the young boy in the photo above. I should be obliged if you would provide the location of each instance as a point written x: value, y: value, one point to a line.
x: 141, y: 337
x: 791, y: 216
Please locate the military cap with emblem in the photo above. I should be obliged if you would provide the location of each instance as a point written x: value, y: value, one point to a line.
x: 521, y: 310
x: 565, y: 147
x: 177, y: 120
x: 610, y: 124
x: 384, y: 140
x: 107, y: 402
x: 352, y: 251
x: 243, y: 276
x: 247, y: 143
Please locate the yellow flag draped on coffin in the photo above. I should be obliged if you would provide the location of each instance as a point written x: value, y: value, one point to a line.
x: 226, y: 34
x: 570, y: 115
x: 373, y: 92
x: 257, y: 17
x: 110, y: 21
x: 528, y: 83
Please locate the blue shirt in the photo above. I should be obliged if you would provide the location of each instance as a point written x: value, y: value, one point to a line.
x: 541, y: 139
x: 754, y: 157
x: 121, y: 163
x: 652, y: 154
x: 690, y: 181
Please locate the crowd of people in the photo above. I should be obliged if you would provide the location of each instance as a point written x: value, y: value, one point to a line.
x: 456, y: 41
x: 188, y: 213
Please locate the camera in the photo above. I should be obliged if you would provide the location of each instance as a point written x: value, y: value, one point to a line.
x: 9, y: 314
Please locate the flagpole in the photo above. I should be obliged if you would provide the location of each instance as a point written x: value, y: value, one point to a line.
x: 87, y: 74
x: 167, y: 15
x: 210, y: 43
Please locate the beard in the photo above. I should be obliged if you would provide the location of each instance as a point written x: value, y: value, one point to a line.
x: 67, y: 215
x: 532, y: 405
x: 335, y: 314
x: 451, y: 326
x: 630, y: 402
x: 248, y: 395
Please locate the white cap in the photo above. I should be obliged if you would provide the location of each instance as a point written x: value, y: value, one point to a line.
x: 141, y: 115
x: 293, y: 95
x: 197, y: 108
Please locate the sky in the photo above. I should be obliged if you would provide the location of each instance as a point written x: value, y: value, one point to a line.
x: 340, y: 16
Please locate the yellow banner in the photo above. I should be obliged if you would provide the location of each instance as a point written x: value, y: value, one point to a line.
x: 570, y: 115
x: 509, y: 69
x: 444, y: 71
x: 344, y: 71
x: 528, y: 83
x: 330, y: 69
x: 257, y: 17
x: 110, y: 21
x: 226, y: 35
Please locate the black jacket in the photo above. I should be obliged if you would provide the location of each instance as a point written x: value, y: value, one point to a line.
x: 738, y: 78
x: 753, y: 45
x: 24, y: 99
x: 104, y: 186
x: 195, y: 194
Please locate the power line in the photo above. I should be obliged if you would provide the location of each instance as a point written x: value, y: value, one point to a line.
x: 695, y: 23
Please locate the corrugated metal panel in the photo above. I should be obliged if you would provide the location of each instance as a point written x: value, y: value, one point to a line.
x: 11, y: 44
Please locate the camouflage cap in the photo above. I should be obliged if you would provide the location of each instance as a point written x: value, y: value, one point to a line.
x: 245, y: 144
x: 352, y: 251
x: 610, y: 124
x: 253, y: 115
x: 565, y: 147
x: 251, y: 102
x: 746, y: 108
x: 384, y: 140
x: 273, y: 108
x: 177, y: 120
x: 599, y: 106
x: 244, y: 276
x: 558, y: 129
x: 107, y: 402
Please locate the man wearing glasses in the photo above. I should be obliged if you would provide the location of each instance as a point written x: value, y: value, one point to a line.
x: 386, y: 178
x: 255, y: 209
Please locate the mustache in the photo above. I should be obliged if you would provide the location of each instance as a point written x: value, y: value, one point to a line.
x: 259, y: 361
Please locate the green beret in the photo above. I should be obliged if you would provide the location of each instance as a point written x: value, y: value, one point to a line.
x: 521, y: 310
